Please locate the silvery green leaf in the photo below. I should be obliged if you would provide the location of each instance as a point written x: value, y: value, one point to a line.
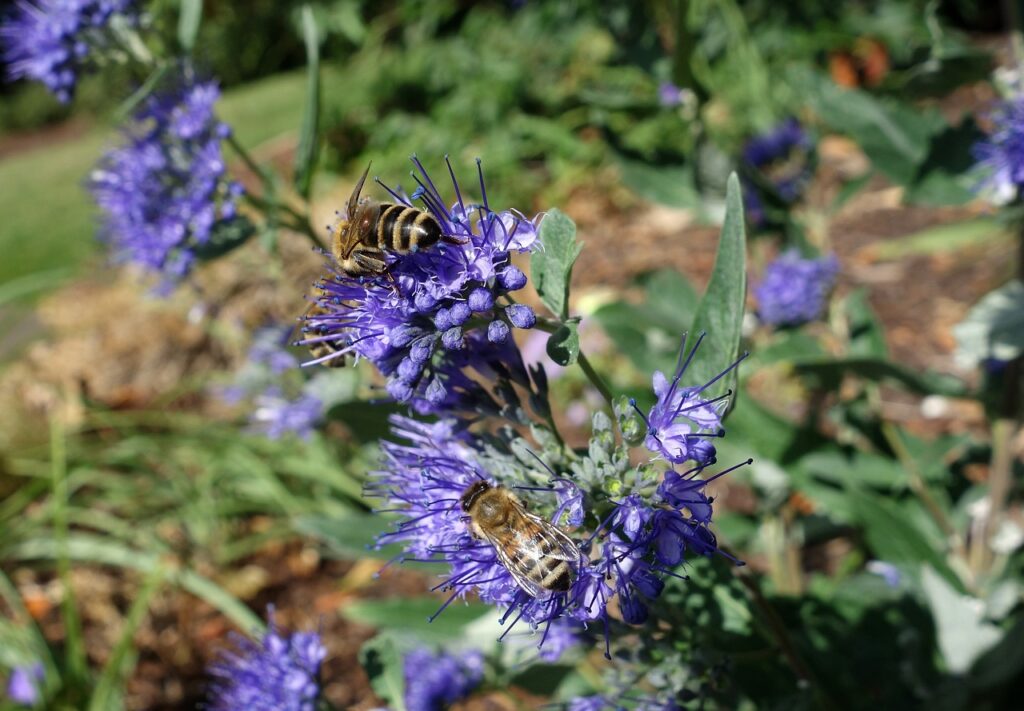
x: 551, y: 265
x: 994, y: 328
x: 963, y: 633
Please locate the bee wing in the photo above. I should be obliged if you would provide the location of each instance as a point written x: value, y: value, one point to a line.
x: 518, y: 569
x: 551, y: 542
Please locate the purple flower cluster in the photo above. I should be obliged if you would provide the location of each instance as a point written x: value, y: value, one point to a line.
x: 779, y: 160
x: 438, y: 311
x: 278, y: 673
x: 795, y: 290
x: 24, y: 684
x: 637, y: 538
x: 283, y: 402
x: 50, y: 41
x: 1001, y: 155
x: 164, y: 191
x: 434, y: 682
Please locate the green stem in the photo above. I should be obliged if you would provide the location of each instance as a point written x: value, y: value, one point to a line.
x: 596, y: 380
x: 74, y: 648
x: 999, y: 484
x: 775, y: 627
x: 249, y: 160
x: 301, y: 223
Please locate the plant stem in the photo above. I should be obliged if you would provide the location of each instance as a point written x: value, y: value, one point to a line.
x: 300, y: 224
x: 74, y: 651
x: 596, y: 380
x: 776, y: 628
x: 999, y: 484
x: 255, y: 167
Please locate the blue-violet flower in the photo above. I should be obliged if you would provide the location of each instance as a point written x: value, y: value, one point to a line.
x: 164, y: 191
x: 435, y: 305
x: 433, y: 682
x: 278, y: 673
x: 52, y: 41
x: 23, y: 687
x: 780, y: 161
x: 1000, y: 155
x: 794, y: 290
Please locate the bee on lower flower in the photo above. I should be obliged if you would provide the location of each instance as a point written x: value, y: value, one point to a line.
x: 536, y: 553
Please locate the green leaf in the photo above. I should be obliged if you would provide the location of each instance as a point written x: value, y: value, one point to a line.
x: 994, y: 328
x: 895, y: 136
x: 671, y: 185
x: 1000, y: 663
x: 945, y: 238
x: 542, y: 679
x: 944, y: 178
x: 411, y: 616
x: 551, y: 266
x: 894, y: 537
x: 189, y: 18
x: 225, y: 237
x: 860, y: 468
x: 350, y: 536
x: 366, y: 420
x: 305, y: 154
x: 670, y: 300
x: 382, y: 657
x: 564, y: 344
x: 923, y: 382
x: 720, y: 313
x: 867, y: 337
x: 963, y: 633
x: 121, y: 660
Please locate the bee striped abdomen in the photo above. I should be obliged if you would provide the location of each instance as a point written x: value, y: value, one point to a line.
x: 549, y: 573
x: 403, y: 229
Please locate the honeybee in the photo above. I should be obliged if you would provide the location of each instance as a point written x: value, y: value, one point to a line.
x: 539, y: 556
x: 360, y: 238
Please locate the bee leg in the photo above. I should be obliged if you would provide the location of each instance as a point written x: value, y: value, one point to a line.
x: 452, y: 239
x: 371, y: 262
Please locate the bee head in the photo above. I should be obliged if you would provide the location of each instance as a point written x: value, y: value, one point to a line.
x: 470, y: 495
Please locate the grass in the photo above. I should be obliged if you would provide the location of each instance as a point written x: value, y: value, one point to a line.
x: 48, y: 220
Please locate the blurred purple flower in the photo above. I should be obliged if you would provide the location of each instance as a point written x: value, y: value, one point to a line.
x: 276, y: 415
x: 23, y: 687
x: 1000, y: 155
x: 562, y: 636
x: 50, y: 41
x: 669, y: 94
x: 780, y: 158
x: 164, y: 191
x: 886, y: 571
x: 413, y: 326
x: 590, y: 703
x: 433, y: 682
x: 282, y: 400
x: 795, y: 290
x: 278, y: 673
